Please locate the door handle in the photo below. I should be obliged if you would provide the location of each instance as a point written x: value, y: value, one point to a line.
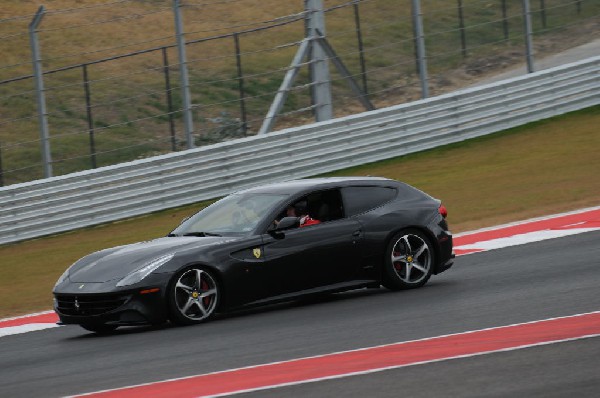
x: 357, y: 233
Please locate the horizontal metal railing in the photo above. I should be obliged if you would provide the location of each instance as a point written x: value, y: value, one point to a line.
x: 92, y: 197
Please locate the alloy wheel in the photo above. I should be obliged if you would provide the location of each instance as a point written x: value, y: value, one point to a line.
x: 411, y: 258
x: 196, y: 294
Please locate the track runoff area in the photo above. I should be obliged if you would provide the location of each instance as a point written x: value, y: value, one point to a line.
x: 390, y: 356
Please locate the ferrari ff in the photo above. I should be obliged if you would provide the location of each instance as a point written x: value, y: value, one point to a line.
x: 252, y: 248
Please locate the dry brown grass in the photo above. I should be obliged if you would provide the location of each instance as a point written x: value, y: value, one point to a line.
x: 134, y: 21
x: 128, y: 95
x: 551, y: 166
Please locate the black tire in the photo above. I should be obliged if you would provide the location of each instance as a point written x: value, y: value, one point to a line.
x: 99, y: 328
x: 193, y: 297
x: 409, y: 260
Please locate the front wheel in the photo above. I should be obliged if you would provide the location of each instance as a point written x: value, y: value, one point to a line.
x: 408, y: 261
x: 193, y: 296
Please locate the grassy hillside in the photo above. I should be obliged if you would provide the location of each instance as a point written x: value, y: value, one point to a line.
x: 128, y: 97
x: 546, y: 167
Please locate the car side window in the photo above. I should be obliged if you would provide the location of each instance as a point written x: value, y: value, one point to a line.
x: 323, y: 206
x: 358, y: 200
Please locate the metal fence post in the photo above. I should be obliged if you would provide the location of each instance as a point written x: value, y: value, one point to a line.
x: 185, y: 80
x: 420, y: 42
x: 238, y: 62
x: 361, y: 54
x: 88, y: 107
x: 504, y: 20
x: 461, y: 28
x: 528, y: 36
x: 543, y: 13
x: 319, y: 63
x: 39, y: 89
x: 169, y: 98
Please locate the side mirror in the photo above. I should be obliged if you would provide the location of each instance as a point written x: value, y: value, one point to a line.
x: 288, y: 223
x: 283, y: 225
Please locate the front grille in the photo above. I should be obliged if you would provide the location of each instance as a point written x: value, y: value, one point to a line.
x: 88, y: 305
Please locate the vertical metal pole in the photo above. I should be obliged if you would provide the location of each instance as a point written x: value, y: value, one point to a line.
x: 320, y: 65
x: 169, y: 98
x: 185, y: 80
x: 361, y: 54
x: 461, y: 25
x: 543, y: 13
x: 528, y: 36
x: 39, y: 89
x: 88, y: 107
x: 238, y: 60
x: 415, y: 52
x: 420, y: 39
x: 504, y: 20
x: 310, y: 69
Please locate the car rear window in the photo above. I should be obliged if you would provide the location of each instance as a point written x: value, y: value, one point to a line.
x: 361, y: 199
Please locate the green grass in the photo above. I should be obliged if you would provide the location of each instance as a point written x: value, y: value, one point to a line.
x: 542, y: 168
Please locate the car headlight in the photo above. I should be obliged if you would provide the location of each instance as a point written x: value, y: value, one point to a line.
x: 63, y: 277
x: 139, y: 274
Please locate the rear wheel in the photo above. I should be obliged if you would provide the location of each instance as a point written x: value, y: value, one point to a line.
x: 408, y: 261
x: 193, y: 296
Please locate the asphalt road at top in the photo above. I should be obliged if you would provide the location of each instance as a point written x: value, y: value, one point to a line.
x: 579, y: 53
x: 557, y: 277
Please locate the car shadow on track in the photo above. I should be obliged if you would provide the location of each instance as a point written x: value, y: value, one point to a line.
x: 298, y: 303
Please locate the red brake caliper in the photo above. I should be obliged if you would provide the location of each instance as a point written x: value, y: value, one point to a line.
x: 396, y: 265
x: 204, y: 287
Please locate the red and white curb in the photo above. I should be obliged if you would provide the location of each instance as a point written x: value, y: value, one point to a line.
x: 367, y: 360
x: 518, y: 233
x: 533, y: 230
x: 28, y: 323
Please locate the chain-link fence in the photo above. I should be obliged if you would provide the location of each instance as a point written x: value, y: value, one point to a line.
x: 112, y: 76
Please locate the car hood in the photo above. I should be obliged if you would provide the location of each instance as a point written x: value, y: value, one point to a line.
x: 116, y: 263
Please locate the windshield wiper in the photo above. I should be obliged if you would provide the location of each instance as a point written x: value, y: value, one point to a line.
x: 201, y: 234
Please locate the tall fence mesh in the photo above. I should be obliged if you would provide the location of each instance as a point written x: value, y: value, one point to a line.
x: 112, y: 83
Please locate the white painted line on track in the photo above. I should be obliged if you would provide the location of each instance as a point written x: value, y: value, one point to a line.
x: 522, y: 239
x: 31, y: 327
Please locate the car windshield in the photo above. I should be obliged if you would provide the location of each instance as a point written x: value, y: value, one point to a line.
x: 234, y: 214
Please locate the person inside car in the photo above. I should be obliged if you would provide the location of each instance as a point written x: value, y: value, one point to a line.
x: 300, y: 209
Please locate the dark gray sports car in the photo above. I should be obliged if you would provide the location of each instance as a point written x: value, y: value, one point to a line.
x: 271, y: 243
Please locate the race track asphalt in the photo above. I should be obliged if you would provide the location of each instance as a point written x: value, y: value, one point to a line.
x: 552, y: 278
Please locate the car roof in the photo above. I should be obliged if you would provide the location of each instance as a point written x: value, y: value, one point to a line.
x: 297, y: 186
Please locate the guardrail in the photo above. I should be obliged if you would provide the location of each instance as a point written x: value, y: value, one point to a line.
x: 106, y: 194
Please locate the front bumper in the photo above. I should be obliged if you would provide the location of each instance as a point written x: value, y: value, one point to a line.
x: 120, y: 308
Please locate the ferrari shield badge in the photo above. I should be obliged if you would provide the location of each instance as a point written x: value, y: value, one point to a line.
x: 256, y: 252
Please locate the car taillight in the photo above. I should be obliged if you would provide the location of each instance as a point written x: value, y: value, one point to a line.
x: 443, y: 211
